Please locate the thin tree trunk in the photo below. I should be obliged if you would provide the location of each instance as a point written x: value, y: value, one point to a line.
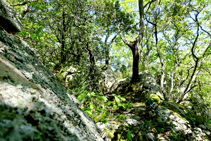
x: 135, y: 50
x: 63, y: 53
x: 92, y: 66
x: 107, y: 45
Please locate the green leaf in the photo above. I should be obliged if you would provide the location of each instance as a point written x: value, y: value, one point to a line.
x: 129, y: 135
x: 130, y: 105
x: 124, y: 106
x: 109, y: 102
x: 115, y: 106
x: 81, y: 96
x: 92, y: 94
x: 99, y: 111
x: 153, y: 68
x: 122, y: 117
x: 88, y: 111
x: 103, y: 98
x: 122, y: 98
x: 91, y: 106
x: 117, y: 100
x: 102, y: 116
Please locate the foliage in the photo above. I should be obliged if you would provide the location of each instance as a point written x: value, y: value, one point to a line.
x: 100, y: 108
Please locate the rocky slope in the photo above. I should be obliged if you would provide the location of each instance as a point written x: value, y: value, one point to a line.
x: 150, y: 117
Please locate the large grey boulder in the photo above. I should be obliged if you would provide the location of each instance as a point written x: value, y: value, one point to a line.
x: 33, y: 104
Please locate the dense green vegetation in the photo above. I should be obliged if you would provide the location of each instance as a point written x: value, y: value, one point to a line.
x: 81, y: 40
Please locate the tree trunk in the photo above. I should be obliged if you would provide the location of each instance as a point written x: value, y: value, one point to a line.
x: 135, y: 50
x: 63, y: 53
x: 134, y: 46
x: 107, y: 57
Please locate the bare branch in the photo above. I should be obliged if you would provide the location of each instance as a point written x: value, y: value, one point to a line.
x: 141, y: 21
x: 186, y: 77
x: 172, y: 76
x: 205, y: 51
x: 205, y: 31
x: 197, y: 62
x: 149, y: 3
x: 191, y: 88
x: 161, y: 61
x: 197, y: 35
x: 207, y: 70
x: 107, y: 35
x: 113, y: 38
x: 130, y: 44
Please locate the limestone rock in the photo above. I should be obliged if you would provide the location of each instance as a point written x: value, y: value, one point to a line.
x: 148, y: 83
x: 120, y: 85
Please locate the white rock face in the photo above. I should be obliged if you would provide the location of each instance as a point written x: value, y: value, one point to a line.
x: 33, y: 104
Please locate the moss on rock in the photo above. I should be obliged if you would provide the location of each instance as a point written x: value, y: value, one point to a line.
x: 155, y: 99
